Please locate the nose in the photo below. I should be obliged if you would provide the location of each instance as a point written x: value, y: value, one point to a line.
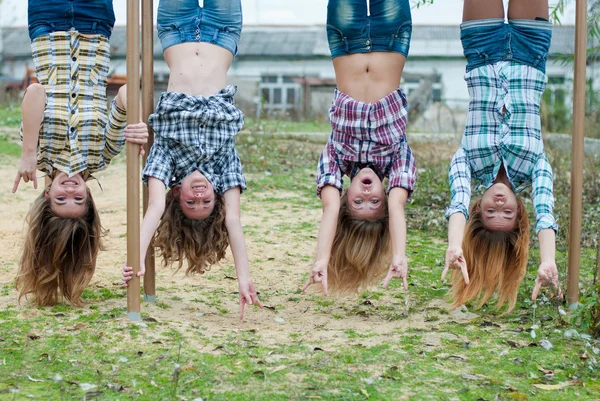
x: 198, y: 195
x: 499, y: 201
x: 366, y: 191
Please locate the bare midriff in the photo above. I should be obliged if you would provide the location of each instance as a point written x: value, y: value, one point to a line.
x: 197, y: 69
x: 369, y: 77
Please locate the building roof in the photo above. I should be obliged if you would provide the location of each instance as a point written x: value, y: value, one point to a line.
x: 298, y: 42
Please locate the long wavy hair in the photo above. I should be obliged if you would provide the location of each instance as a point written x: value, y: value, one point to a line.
x: 201, y: 242
x: 59, y: 253
x: 361, y: 251
x: 496, y: 261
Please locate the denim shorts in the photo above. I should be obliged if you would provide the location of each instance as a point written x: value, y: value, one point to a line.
x: 492, y: 40
x: 219, y: 22
x: 363, y: 26
x: 85, y: 16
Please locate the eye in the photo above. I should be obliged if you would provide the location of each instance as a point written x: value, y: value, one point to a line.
x: 60, y: 198
x: 491, y: 211
x: 190, y: 202
x: 374, y: 201
x: 508, y: 212
x: 78, y: 198
x: 206, y: 202
x: 358, y: 201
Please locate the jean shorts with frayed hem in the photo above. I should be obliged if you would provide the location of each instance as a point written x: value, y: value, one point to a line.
x: 87, y: 17
x: 364, y: 26
x: 493, y: 40
x: 218, y: 22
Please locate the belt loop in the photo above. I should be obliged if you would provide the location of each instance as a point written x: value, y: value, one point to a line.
x: 391, y: 45
x: 94, y: 27
x: 215, y: 36
x: 347, y: 45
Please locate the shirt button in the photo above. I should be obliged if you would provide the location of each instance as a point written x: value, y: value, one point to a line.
x: 72, y: 129
x: 368, y: 42
x: 368, y: 47
x: 73, y: 95
x: 73, y: 111
x: 74, y: 59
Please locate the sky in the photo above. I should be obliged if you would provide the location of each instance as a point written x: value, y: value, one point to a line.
x: 279, y: 12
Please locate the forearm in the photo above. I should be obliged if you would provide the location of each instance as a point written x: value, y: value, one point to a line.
x: 547, y: 238
x: 149, y: 227
x: 238, y: 246
x: 396, y: 203
x: 456, y: 230
x: 327, y: 230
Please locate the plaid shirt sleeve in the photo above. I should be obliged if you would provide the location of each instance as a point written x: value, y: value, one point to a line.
x: 403, y: 173
x: 159, y: 165
x: 328, y: 170
x: 459, y: 177
x: 542, y: 194
x: 232, y: 175
x: 114, y: 132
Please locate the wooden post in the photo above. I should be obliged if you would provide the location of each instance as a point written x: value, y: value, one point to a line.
x: 133, y: 158
x: 147, y: 109
x: 577, y: 153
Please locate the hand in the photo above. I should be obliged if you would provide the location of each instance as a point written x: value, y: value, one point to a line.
x: 27, y: 169
x: 547, y: 274
x: 318, y: 274
x: 398, y: 269
x: 247, y: 295
x: 128, y: 273
x: 455, y: 260
x: 138, y: 134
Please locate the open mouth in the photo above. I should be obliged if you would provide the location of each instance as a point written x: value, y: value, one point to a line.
x: 367, y: 181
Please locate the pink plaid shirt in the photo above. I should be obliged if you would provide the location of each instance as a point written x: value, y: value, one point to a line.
x: 368, y: 133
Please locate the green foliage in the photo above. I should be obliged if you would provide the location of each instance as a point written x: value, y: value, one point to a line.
x: 587, y: 316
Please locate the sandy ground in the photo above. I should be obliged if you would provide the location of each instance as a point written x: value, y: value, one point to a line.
x: 279, y: 263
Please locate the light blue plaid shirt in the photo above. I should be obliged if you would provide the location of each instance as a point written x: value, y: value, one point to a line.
x: 503, y: 126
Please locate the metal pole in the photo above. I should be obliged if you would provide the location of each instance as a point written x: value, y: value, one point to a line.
x: 577, y: 152
x: 147, y: 109
x: 133, y: 158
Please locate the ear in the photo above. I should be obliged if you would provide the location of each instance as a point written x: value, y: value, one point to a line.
x: 46, y: 194
x: 478, y: 206
x: 176, y: 190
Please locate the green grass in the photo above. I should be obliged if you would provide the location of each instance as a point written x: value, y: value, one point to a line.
x: 276, y: 126
x: 379, y: 345
x: 10, y: 115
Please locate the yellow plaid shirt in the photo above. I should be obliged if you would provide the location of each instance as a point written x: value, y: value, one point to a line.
x: 77, y: 133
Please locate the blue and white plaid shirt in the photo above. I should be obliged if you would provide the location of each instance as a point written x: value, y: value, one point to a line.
x: 504, y: 127
x: 196, y: 133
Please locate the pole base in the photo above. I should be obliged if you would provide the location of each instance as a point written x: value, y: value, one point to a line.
x: 134, y: 316
x: 149, y: 298
x: 574, y: 306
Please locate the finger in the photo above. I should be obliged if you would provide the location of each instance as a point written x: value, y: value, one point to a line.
x: 34, y: 179
x: 16, y: 184
x: 445, y: 271
x: 560, y: 294
x: 242, y: 303
x: 405, y: 282
x: 536, y: 289
x: 141, y: 273
x: 308, y: 283
x: 248, y: 299
x: 142, y: 151
x: 324, y: 284
x: 465, y: 272
x: 256, y: 300
x: 388, y: 278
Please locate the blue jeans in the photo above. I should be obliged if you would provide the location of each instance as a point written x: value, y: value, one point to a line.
x: 219, y: 22
x: 363, y: 26
x: 85, y: 16
x: 492, y: 40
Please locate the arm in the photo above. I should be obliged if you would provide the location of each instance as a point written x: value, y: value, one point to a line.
x: 330, y: 197
x: 543, y: 202
x: 156, y: 208
x: 399, y: 267
x: 459, y: 177
x: 32, y: 113
x: 238, y: 249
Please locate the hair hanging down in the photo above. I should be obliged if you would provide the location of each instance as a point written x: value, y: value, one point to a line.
x: 201, y: 242
x: 496, y: 261
x: 361, y: 251
x: 59, y: 253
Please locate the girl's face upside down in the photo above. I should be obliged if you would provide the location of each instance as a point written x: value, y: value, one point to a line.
x: 499, y: 208
x: 196, y: 196
x: 366, y: 195
x: 68, y: 195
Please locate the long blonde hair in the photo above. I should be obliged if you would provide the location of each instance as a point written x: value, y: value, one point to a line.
x: 496, y: 261
x: 59, y: 253
x: 201, y: 242
x: 361, y: 251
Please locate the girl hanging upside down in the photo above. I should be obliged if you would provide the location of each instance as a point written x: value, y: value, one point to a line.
x: 369, y: 42
x: 194, y: 153
x: 69, y: 135
x: 503, y: 152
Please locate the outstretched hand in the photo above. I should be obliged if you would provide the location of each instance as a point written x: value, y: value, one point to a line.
x: 27, y: 168
x: 455, y: 260
x: 398, y: 269
x: 248, y: 295
x: 547, y: 275
x: 138, y: 134
x: 128, y: 273
x: 318, y: 274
